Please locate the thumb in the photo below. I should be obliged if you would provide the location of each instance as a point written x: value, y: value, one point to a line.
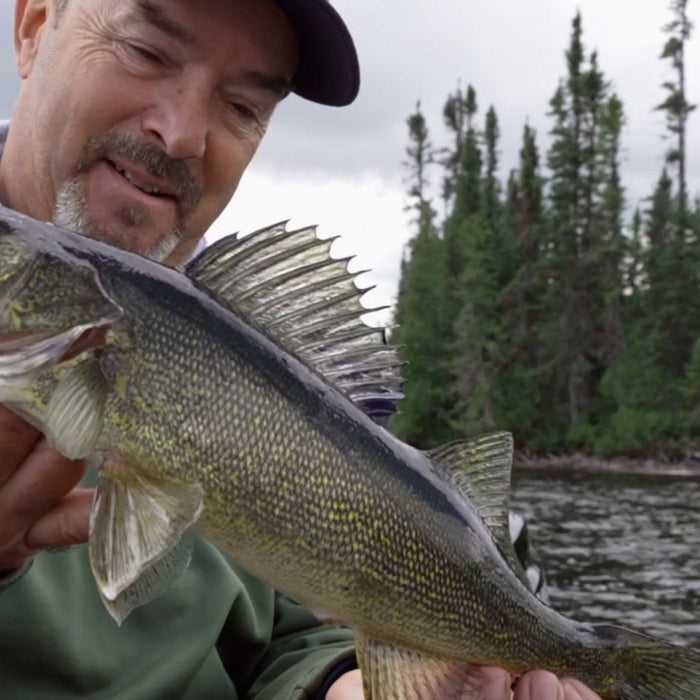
x: 539, y: 685
x: 66, y: 524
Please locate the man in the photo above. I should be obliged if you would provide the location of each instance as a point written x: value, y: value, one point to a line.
x: 134, y: 124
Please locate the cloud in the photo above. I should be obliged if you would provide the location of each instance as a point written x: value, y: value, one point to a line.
x: 9, y: 81
x: 343, y: 167
x: 364, y: 212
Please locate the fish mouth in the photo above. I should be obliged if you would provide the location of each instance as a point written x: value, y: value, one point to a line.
x: 12, y: 342
x: 91, y: 338
x: 23, y: 354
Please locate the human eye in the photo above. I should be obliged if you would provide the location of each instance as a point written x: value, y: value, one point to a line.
x: 145, y: 53
x: 247, y: 108
x: 244, y: 111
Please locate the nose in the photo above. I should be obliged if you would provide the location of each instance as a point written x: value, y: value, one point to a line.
x: 179, y: 118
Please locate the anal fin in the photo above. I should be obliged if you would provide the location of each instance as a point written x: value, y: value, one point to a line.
x: 152, y: 581
x: 396, y: 673
x: 136, y: 526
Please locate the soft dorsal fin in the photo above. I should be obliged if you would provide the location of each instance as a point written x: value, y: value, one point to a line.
x: 287, y: 284
x: 390, y: 672
x: 481, y: 468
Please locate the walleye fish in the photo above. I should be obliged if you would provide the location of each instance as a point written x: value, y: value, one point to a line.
x: 246, y: 396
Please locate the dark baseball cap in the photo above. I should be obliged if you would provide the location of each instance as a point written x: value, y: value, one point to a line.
x: 328, y: 71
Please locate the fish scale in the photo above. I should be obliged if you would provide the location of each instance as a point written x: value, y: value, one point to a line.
x: 255, y: 414
x: 260, y: 454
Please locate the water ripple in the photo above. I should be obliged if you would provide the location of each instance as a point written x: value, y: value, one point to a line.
x: 622, y: 550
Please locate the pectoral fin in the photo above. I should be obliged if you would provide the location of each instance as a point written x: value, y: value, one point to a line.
x: 136, y: 525
x: 395, y: 673
x: 76, y: 408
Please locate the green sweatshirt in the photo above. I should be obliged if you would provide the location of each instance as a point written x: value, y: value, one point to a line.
x: 215, y: 633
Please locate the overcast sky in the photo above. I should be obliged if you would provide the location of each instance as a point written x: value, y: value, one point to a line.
x: 341, y: 168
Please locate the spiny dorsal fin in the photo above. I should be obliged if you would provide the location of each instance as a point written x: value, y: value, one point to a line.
x: 287, y: 284
x: 481, y: 468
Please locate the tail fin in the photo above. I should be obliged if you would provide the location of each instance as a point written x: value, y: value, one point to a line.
x: 649, y: 669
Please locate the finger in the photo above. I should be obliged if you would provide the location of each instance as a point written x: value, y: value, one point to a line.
x: 17, y: 440
x: 496, y: 683
x: 66, y: 524
x: 347, y: 687
x: 575, y: 690
x: 35, y: 488
x: 539, y: 685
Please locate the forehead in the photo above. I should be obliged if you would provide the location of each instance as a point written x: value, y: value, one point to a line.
x: 256, y: 29
x: 154, y: 14
x: 260, y: 16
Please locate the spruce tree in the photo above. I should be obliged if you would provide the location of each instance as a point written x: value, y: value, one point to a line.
x: 664, y: 325
x: 582, y: 335
x: 645, y: 391
x: 481, y: 351
x: 676, y: 107
x: 520, y: 382
x: 421, y: 419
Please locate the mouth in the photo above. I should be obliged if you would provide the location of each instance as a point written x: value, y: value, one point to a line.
x: 24, y: 353
x: 145, y: 183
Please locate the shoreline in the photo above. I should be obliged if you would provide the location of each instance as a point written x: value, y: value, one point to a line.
x: 582, y: 463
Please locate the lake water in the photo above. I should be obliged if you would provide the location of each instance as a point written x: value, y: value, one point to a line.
x: 621, y: 550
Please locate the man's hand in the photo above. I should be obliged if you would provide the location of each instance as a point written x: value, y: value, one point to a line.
x: 542, y: 685
x: 40, y: 506
x: 535, y: 685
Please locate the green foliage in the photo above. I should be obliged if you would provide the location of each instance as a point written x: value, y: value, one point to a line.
x: 421, y: 306
x: 536, y: 307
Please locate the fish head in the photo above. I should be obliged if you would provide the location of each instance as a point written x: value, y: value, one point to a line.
x: 50, y: 300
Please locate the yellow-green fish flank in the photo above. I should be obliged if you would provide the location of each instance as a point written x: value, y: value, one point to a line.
x: 246, y: 397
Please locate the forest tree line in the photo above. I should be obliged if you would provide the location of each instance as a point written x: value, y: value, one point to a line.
x: 539, y: 304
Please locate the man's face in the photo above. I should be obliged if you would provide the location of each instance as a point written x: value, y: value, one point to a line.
x: 141, y: 115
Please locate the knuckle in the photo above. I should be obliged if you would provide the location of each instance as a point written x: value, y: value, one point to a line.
x: 13, y: 555
x: 72, y: 530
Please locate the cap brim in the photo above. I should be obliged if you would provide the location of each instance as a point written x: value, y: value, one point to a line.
x: 328, y: 72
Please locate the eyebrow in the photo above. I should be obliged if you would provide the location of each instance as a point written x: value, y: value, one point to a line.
x: 274, y: 83
x: 154, y: 15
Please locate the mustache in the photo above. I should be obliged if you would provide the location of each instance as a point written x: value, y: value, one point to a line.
x: 175, y: 172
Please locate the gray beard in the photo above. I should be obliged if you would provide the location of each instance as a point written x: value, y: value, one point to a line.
x: 71, y: 213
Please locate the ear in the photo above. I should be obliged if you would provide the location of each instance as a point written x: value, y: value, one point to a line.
x: 30, y: 20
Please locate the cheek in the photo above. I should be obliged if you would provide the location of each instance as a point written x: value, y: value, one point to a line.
x: 224, y: 166
x: 107, y: 98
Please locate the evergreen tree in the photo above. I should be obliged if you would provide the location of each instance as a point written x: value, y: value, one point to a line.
x: 466, y: 176
x: 491, y: 205
x: 543, y: 313
x: 481, y: 350
x: 642, y: 390
x: 676, y: 106
x: 458, y: 115
x: 583, y: 332
x: 675, y: 273
x: 520, y: 383
x: 421, y: 419
x: 662, y: 349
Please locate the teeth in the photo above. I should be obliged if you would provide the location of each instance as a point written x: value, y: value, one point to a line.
x: 132, y: 179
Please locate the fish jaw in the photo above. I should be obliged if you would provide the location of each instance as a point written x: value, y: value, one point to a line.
x: 35, y: 331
